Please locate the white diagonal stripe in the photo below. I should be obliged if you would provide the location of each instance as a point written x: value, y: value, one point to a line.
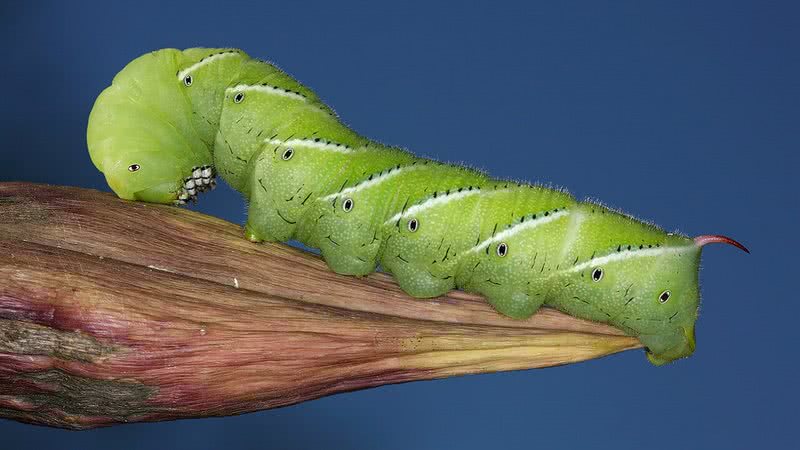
x: 369, y: 183
x: 621, y: 256
x: 207, y: 60
x: 430, y: 203
x: 508, y: 232
x: 572, y: 233
x: 267, y: 89
x: 340, y: 148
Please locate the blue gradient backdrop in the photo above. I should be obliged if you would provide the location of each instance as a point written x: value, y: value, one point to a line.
x: 683, y: 113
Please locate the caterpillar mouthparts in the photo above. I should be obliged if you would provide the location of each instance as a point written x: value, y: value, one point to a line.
x: 202, y: 179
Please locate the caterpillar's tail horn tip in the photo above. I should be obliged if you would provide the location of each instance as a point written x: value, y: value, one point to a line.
x: 718, y: 238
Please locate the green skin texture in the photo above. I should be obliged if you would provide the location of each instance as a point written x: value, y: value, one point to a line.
x: 434, y: 226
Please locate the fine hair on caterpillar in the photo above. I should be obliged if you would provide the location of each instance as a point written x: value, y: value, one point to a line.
x: 182, y: 117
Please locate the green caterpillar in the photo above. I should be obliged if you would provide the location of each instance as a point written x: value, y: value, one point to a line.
x: 173, y: 119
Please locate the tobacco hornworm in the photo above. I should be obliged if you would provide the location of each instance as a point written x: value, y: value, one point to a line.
x: 172, y: 119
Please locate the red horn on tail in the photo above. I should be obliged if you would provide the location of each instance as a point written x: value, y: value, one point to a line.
x: 718, y: 238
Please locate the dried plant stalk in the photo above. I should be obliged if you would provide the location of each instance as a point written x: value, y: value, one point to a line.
x: 113, y: 311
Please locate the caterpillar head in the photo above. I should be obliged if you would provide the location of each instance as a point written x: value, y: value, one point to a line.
x: 143, y: 133
x: 650, y: 292
x: 156, y: 178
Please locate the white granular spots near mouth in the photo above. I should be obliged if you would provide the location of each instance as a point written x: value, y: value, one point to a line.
x: 202, y: 179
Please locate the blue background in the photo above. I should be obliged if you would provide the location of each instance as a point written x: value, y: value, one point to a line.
x: 683, y: 113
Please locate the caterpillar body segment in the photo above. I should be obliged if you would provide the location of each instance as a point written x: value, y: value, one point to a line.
x: 355, y: 217
x: 290, y: 177
x: 263, y: 106
x: 172, y: 120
